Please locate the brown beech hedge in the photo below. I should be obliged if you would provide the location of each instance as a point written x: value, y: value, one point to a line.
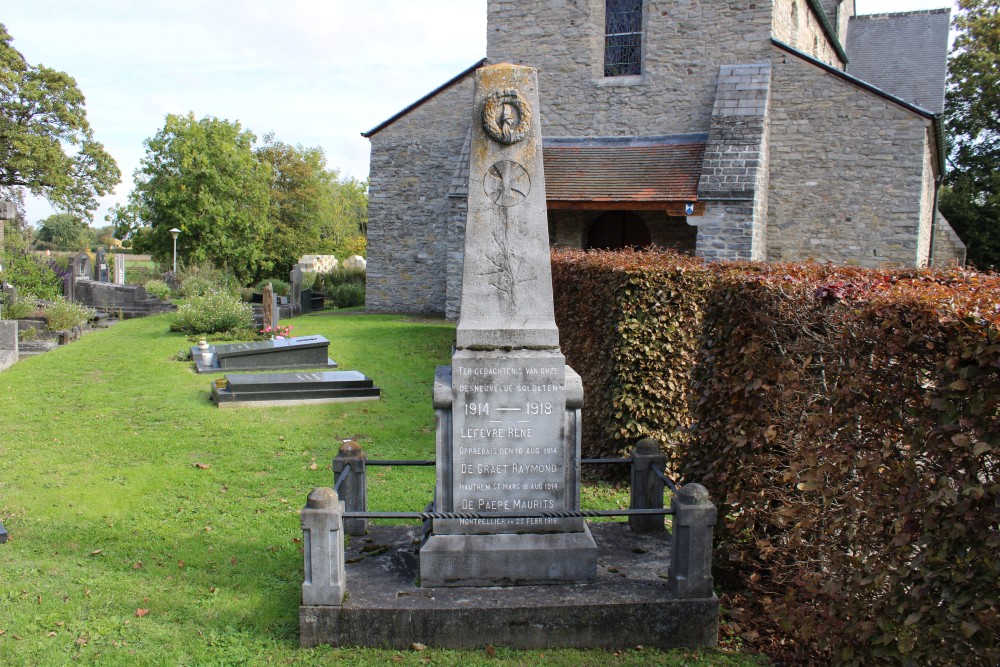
x: 846, y: 420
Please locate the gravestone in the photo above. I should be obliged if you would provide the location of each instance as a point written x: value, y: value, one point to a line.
x: 276, y: 354
x: 103, y: 274
x: 119, y: 269
x: 508, y: 407
x: 355, y: 262
x: 79, y: 269
x: 8, y: 343
x: 295, y: 291
x: 270, y: 303
x: 294, y: 389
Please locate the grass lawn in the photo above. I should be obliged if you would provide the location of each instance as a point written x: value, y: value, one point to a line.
x: 149, y: 527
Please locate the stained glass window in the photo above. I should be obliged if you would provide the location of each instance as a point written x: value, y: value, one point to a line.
x: 622, y: 37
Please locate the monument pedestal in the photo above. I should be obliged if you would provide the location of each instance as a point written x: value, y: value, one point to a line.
x: 508, y: 559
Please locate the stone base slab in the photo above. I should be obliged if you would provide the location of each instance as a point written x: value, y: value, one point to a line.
x: 508, y: 559
x: 628, y: 603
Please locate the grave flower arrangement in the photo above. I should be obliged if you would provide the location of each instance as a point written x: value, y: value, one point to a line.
x: 277, y: 332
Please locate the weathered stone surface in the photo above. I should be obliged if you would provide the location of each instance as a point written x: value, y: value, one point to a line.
x: 822, y: 128
x: 836, y: 183
x: 8, y: 343
x: 323, y: 548
x: 510, y: 442
x: 507, y: 283
x: 508, y: 407
x: 628, y: 603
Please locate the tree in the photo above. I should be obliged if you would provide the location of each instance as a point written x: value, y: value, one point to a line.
x: 202, y: 177
x: 971, y: 197
x: 46, y: 143
x: 300, y: 201
x: 64, y: 231
x: 312, y: 210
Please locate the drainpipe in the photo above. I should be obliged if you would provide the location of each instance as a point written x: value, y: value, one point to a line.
x: 934, y: 217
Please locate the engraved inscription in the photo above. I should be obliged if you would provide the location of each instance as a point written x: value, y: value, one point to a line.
x: 508, y: 454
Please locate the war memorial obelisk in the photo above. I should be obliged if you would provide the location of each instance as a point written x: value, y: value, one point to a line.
x: 508, y: 406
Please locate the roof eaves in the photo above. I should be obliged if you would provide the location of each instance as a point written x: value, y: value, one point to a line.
x: 853, y: 80
x: 934, y: 118
x: 448, y: 84
x: 831, y: 33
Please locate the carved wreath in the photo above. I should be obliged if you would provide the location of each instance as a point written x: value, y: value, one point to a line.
x: 506, y: 116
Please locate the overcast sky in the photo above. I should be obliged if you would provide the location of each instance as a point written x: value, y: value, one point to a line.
x: 315, y: 72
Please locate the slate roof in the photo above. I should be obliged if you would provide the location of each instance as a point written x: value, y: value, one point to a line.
x: 612, y: 169
x: 904, y: 54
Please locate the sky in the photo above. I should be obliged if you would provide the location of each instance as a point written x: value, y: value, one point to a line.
x: 313, y: 72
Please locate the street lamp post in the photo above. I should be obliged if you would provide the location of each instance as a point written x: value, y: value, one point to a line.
x: 174, y: 232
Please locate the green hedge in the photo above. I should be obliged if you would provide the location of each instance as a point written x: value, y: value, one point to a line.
x: 847, y: 422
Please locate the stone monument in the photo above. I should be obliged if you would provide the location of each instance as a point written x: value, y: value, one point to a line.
x: 508, y: 407
x: 295, y: 277
x: 102, y: 266
x: 119, y: 277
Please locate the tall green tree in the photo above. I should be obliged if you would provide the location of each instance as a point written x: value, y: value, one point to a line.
x: 202, y: 177
x: 971, y: 197
x: 312, y: 209
x: 300, y: 201
x: 46, y: 143
x: 63, y: 231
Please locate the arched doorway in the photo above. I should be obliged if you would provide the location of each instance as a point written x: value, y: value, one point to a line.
x: 618, y: 229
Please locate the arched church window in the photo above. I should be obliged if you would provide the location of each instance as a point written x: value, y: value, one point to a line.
x: 622, y: 37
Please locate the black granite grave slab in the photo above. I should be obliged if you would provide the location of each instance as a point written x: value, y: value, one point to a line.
x: 277, y: 354
x: 3, y: 534
x: 294, y: 388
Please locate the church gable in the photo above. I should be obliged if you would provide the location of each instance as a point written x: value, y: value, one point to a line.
x: 696, y: 128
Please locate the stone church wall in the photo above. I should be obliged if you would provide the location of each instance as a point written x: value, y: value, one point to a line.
x: 796, y: 25
x: 847, y: 171
x: 412, y: 162
x: 674, y: 94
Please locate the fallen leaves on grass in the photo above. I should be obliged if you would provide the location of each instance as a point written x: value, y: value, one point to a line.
x: 140, y: 612
x: 203, y: 466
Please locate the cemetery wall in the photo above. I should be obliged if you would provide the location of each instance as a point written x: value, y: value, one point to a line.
x: 408, y: 205
x: 683, y: 66
x: 840, y: 413
x: 823, y: 128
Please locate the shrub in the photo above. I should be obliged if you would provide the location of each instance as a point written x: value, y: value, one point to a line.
x: 205, y: 279
x: 280, y: 287
x: 140, y: 275
x: 347, y: 295
x: 26, y: 334
x: 23, y: 306
x: 30, y: 273
x: 196, y: 286
x: 61, y: 314
x: 342, y: 276
x: 847, y: 422
x: 213, y: 313
x: 158, y: 288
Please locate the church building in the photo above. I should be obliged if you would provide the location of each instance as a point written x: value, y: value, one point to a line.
x: 771, y: 130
